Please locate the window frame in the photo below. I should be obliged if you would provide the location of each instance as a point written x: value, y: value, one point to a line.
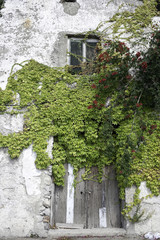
x: 90, y: 39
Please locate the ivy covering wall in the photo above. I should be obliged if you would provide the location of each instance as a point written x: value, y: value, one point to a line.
x: 108, y: 117
x: 55, y: 104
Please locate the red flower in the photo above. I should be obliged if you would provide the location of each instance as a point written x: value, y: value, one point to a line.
x: 128, y: 77
x: 100, y: 81
x: 144, y: 65
x: 150, y: 132
x: 97, y: 96
x: 133, y: 150
x: 90, y: 106
x: 106, y: 57
x: 106, y: 86
x: 93, y: 86
x: 101, y: 56
x: 120, y: 172
x: 95, y: 102
x: 138, y: 104
x: 153, y: 126
x: 121, y: 43
x: 127, y: 116
x: 103, y: 79
x: 114, y: 73
x: 138, y: 54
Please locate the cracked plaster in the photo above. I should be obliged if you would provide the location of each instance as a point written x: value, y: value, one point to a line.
x: 37, y: 29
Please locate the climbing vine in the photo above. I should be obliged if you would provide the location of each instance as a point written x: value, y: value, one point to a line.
x: 108, y: 117
x: 131, y: 21
x: 128, y: 84
x: 55, y: 104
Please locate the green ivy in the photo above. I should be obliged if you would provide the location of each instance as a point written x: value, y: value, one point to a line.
x: 130, y: 24
x: 70, y: 108
x: 55, y: 103
x: 130, y: 83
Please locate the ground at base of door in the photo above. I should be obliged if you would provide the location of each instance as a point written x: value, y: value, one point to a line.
x: 82, y: 238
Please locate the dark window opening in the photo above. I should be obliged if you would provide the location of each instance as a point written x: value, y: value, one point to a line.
x: 1, y: 6
x: 76, y: 49
x: 91, y: 51
x: 82, y: 52
x: 1, y: 2
x: 69, y: 1
x: 158, y: 5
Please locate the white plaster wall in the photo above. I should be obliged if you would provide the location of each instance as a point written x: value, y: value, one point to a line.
x: 24, y: 190
x: 150, y: 206
x: 30, y: 28
x: 17, y: 207
x: 11, y: 123
x: 24, y: 196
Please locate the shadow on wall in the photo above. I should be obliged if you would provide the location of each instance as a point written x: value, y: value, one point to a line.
x: 70, y: 7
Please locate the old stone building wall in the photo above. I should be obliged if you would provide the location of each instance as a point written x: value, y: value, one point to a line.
x: 37, y: 29
x: 25, y: 192
x: 150, y: 221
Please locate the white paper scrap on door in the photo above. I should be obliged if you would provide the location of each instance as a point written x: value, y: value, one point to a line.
x: 70, y: 196
x: 102, y: 218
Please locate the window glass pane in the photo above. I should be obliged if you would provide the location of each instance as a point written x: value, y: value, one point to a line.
x: 1, y: 3
x: 91, y: 50
x: 158, y: 5
x: 76, y: 49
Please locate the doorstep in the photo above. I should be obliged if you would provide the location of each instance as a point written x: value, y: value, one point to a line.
x: 69, y: 226
x: 94, y: 232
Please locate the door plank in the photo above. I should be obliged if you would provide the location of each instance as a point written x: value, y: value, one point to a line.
x: 112, y: 199
x: 60, y: 200
x: 79, y: 200
x: 94, y: 200
x: 95, y: 204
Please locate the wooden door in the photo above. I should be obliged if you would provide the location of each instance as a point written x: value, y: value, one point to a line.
x: 90, y: 204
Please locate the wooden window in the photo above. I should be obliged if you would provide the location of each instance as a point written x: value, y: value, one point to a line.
x: 81, y: 51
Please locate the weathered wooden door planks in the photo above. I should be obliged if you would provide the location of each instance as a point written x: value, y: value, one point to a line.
x: 91, y: 203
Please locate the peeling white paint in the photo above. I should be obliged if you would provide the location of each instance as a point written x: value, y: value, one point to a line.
x: 102, y: 217
x: 31, y: 30
x: 70, y: 196
x: 30, y: 172
x: 11, y: 124
x: 50, y: 147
